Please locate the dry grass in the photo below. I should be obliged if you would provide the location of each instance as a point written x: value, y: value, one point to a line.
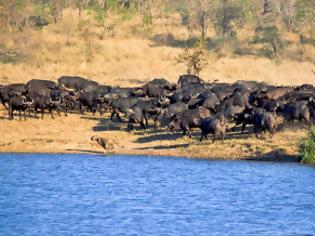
x: 75, y: 48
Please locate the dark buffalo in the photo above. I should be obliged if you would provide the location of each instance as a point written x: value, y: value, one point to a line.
x: 273, y: 93
x: 185, y: 80
x: 89, y: 100
x: 305, y: 87
x: 41, y: 84
x: 94, y: 98
x: 246, y: 117
x: 266, y: 121
x: 215, y: 125
x: 50, y: 102
x: 238, y: 98
x: 189, y: 119
x: 127, y: 92
x: 174, y: 109
x: 157, y: 83
x: 68, y: 101
x: 121, y: 105
x: 250, y: 84
x: 268, y: 105
x: 299, y: 95
x: 19, y: 103
x: 142, y: 111
x: 169, y: 113
x: 296, y: 111
x: 75, y: 83
x: 8, y: 91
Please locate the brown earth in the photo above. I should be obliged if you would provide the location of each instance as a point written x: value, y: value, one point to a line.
x: 130, y: 60
x: 72, y: 135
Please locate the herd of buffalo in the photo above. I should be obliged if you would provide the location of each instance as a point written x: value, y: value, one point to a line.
x: 190, y: 103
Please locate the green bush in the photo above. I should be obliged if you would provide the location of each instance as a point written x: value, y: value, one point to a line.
x: 307, y: 148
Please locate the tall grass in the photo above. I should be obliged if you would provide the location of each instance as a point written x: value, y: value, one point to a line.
x: 307, y: 148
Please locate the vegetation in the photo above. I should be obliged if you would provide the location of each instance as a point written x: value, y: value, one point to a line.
x: 307, y: 148
x: 270, y: 37
x: 125, y: 42
x: 272, y: 29
x: 195, y: 59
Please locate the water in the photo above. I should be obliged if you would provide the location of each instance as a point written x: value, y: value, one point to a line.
x: 127, y: 195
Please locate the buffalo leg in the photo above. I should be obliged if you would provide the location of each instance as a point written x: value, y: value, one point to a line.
x: 189, y: 134
x: 43, y: 112
x: 65, y: 110
x: 51, y: 113
x: 112, y: 115
x: 215, y: 136
x: 3, y: 103
x: 118, y: 117
x: 142, y: 124
x: 146, y: 119
x: 202, y: 134
x: 130, y: 126
x: 58, y: 111
x: 243, y: 127
x: 10, y: 113
x: 93, y: 110
x: 82, y: 109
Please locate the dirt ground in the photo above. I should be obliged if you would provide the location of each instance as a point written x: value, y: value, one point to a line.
x: 131, y: 60
x: 72, y: 135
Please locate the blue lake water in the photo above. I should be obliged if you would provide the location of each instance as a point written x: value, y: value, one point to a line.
x: 129, y: 195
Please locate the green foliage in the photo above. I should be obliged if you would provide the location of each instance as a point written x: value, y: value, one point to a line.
x: 101, y: 10
x: 184, y: 13
x: 305, y: 15
x: 127, y: 14
x: 270, y: 37
x: 307, y: 148
x: 147, y: 19
x: 195, y: 59
x: 228, y: 18
x: 248, y: 10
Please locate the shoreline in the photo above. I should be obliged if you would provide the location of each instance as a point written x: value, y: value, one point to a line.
x: 272, y: 157
x: 72, y: 135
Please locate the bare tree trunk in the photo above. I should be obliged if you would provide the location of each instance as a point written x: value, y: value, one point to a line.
x: 10, y: 13
x: 202, y: 24
x: 224, y: 20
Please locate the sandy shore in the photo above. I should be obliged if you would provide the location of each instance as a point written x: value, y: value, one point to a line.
x: 72, y: 135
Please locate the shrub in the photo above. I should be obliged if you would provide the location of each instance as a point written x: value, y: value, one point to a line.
x: 307, y: 148
x: 195, y: 59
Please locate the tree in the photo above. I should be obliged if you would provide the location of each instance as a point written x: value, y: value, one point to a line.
x: 13, y: 12
x: 103, y: 11
x: 56, y: 8
x: 186, y: 19
x: 202, y: 13
x: 227, y: 18
x: 147, y: 16
x: 195, y: 59
x: 270, y: 37
x: 305, y: 16
x: 288, y: 13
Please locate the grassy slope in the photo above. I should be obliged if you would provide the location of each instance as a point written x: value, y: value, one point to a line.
x: 129, y: 59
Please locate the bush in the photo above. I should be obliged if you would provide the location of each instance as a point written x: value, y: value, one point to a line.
x: 307, y: 148
x: 195, y: 59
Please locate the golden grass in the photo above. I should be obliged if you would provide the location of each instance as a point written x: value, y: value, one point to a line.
x: 129, y: 59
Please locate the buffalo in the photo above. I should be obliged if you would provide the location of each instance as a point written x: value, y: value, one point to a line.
x: 215, y: 125
x: 19, y: 103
